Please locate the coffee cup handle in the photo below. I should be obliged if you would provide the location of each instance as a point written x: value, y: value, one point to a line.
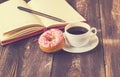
x: 94, y: 30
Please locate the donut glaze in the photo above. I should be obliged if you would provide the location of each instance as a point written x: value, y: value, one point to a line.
x: 51, y: 40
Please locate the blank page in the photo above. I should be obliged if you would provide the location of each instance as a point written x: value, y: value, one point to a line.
x: 57, y: 8
x: 11, y: 17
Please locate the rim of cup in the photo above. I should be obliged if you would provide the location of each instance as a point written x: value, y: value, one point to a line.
x: 82, y: 24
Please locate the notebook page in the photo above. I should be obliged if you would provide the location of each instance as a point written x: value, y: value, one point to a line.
x: 57, y: 8
x: 11, y: 17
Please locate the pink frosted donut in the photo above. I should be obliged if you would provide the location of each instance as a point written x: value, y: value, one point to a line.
x: 51, y: 40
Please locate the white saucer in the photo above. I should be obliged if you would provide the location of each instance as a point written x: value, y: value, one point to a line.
x: 91, y: 45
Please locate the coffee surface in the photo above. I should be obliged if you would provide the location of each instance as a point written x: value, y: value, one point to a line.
x: 77, y: 30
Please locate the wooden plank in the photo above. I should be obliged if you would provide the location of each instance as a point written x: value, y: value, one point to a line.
x: 24, y: 59
x: 110, y: 21
x: 89, y: 64
x: 10, y: 55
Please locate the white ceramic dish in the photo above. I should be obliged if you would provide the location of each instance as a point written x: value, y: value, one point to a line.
x: 91, y: 45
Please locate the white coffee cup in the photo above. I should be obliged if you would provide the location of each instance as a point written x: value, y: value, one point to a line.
x: 81, y: 38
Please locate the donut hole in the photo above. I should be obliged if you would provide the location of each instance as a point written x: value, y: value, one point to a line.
x: 51, y: 38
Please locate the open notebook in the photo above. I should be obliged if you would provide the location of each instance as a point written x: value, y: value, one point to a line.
x: 16, y: 24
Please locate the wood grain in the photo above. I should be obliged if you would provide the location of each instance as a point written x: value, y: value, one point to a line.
x: 24, y: 59
x: 110, y: 21
x: 90, y: 64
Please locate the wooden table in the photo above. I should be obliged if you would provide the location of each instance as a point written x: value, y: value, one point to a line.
x: 25, y: 59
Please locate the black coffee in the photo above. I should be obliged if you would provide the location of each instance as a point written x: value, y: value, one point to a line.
x: 77, y: 30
